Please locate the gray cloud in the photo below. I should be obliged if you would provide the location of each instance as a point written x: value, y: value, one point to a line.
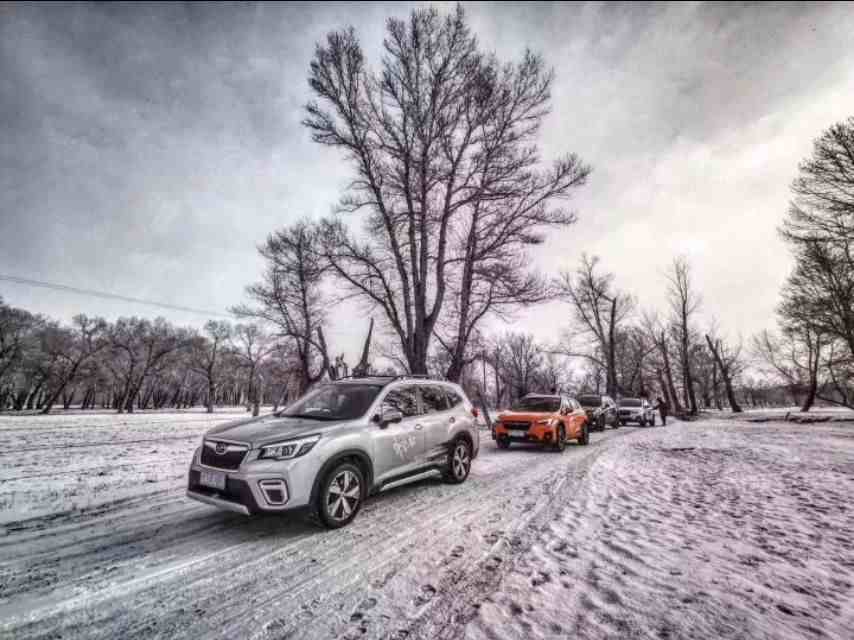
x: 146, y: 148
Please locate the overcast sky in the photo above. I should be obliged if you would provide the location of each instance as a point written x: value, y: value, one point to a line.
x: 145, y: 149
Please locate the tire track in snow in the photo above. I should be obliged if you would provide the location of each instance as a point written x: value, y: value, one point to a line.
x: 199, y: 580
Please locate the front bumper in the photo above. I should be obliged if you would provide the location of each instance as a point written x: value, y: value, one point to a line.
x: 540, y: 434
x: 257, y: 486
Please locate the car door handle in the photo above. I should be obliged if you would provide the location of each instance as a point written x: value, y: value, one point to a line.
x: 418, y: 427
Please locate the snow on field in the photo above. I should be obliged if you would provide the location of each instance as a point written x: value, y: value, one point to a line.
x: 76, y: 460
x: 715, y: 529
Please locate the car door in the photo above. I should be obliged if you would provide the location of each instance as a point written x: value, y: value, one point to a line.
x: 570, y: 417
x: 399, y: 446
x: 439, y: 421
x: 610, y: 410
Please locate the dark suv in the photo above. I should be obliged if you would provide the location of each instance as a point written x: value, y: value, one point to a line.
x: 601, y: 411
x: 336, y: 445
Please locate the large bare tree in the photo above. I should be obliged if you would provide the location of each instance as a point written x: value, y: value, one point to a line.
x: 816, y: 315
x: 443, y: 141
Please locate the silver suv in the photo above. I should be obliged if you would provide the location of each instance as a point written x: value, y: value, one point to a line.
x: 336, y: 445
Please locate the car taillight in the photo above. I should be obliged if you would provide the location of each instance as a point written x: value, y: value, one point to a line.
x: 475, y: 412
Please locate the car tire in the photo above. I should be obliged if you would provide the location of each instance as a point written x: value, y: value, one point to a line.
x: 502, y: 443
x: 458, y: 464
x: 643, y: 422
x: 340, y: 497
x: 584, y: 440
x: 560, y: 444
x: 617, y: 423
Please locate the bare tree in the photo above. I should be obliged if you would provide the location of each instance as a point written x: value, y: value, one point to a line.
x: 72, y: 349
x: 728, y: 360
x: 290, y: 297
x: 207, y: 356
x: 600, y: 309
x: 796, y: 358
x: 815, y: 350
x: 16, y: 328
x: 139, y: 349
x: 442, y: 139
x: 252, y: 346
x: 524, y: 359
x: 659, y: 337
x: 684, y: 302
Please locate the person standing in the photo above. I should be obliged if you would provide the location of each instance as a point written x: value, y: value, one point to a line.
x: 661, y: 405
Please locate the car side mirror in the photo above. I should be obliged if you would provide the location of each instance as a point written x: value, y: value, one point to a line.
x: 564, y: 411
x: 386, y: 416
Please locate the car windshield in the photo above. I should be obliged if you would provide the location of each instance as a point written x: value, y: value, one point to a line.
x: 630, y: 402
x: 589, y: 401
x: 334, y: 402
x: 538, y: 404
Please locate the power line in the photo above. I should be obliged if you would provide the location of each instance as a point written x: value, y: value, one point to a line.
x: 109, y: 296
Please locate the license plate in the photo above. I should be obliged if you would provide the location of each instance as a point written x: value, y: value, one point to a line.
x: 213, y: 479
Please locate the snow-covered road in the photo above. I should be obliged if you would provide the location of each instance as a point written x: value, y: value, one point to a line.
x: 715, y: 529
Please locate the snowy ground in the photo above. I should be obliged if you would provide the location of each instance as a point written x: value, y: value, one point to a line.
x: 715, y: 529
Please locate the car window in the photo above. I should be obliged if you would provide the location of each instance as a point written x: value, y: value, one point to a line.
x: 538, y: 404
x: 334, y: 402
x: 433, y: 398
x: 453, y: 397
x: 403, y: 399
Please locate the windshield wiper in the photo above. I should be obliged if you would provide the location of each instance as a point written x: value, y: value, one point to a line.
x: 307, y: 416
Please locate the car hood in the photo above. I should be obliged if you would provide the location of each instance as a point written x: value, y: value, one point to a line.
x: 524, y: 416
x: 267, y: 429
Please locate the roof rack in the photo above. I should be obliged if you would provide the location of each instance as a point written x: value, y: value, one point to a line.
x: 391, y: 378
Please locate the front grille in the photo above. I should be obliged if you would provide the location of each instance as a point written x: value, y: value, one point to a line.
x: 517, y: 426
x: 230, y: 458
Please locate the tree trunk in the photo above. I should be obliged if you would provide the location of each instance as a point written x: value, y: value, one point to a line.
x: 668, y: 373
x: 812, y: 389
x: 211, y: 394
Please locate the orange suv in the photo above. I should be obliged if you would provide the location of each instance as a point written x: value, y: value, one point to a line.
x: 549, y: 420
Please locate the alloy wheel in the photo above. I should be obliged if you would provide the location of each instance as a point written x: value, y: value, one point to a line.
x: 460, y: 461
x: 343, y: 495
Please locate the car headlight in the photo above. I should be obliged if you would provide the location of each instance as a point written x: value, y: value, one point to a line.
x: 288, y: 449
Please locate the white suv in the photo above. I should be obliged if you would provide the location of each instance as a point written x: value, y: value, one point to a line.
x: 336, y: 445
x: 636, y: 410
